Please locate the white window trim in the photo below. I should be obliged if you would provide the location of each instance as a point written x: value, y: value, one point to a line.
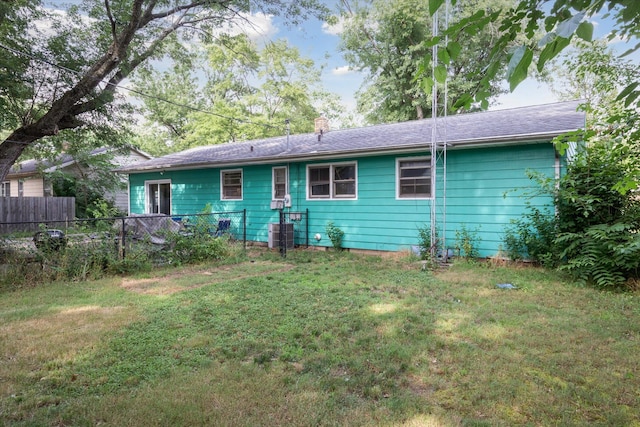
x: 147, y: 193
x: 397, y: 183
x: 6, y: 185
x: 273, y: 182
x: 331, y: 196
x: 222, y: 172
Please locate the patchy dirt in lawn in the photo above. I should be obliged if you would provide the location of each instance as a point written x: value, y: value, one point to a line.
x: 173, y: 283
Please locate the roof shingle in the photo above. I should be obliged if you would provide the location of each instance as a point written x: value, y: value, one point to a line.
x: 525, y: 124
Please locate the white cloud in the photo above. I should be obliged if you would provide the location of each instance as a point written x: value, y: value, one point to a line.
x: 258, y: 27
x: 45, y: 26
x: 341, y: 71
x: 333, y: 29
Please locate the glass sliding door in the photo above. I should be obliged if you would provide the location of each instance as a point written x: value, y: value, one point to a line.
x: 159, y: 197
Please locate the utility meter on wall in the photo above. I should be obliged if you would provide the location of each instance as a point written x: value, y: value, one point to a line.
x: 287, y: 200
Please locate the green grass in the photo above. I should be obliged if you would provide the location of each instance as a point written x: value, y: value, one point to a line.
x: 320, y: 339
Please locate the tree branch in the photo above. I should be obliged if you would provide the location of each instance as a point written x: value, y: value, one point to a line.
x: 123, y: 73
x: 112, y: 21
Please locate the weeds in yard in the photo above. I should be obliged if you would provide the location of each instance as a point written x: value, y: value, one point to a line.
x: 320, y: 339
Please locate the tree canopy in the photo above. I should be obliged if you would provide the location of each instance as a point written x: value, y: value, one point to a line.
x: 388, y: 41
x: 270, y: 88
x: 559, y: 20
x: 66, y: 75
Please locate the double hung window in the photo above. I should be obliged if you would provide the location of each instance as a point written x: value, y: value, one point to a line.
x: 231, y: 184
x: 280, y: 183
x: 333, y: 181
x: 413, y: 178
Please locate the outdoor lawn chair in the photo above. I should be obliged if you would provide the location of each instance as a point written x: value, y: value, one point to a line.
x: 224, y: 224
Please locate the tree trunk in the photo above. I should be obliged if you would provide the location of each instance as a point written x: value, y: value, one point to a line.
x: 12, y: 148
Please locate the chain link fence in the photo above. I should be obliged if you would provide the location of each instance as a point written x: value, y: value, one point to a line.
x: 155, y: 231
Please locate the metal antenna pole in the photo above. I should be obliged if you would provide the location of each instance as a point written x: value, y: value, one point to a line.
x: 287, y: 122
x: 434, y: 139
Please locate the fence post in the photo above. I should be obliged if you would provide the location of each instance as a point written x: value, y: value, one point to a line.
x: 306, y: 224
x: 282, y: 236
x: 123, y: 240
x: 244, y: 228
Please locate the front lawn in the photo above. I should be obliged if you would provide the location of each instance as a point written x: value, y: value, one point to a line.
x: 320, y: 339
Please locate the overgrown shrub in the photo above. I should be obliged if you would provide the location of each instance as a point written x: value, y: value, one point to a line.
x: 428, y: 250
x: 594, y: 232
x: 424, y: 242
x: 603, y: 255
x: 467, y: 241
x: 335, y: 234
x: 196, y: 246
x: 533, y: 237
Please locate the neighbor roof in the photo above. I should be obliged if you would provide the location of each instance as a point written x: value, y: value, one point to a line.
x: 34, y: 167
x: 538, y: 123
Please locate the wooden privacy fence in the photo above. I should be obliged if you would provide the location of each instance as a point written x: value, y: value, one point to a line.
x: 26, y: 213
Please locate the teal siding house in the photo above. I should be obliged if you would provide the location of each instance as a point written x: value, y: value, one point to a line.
x: 379, y: 184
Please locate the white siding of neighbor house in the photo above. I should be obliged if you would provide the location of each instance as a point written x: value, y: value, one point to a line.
x: 32, y: 187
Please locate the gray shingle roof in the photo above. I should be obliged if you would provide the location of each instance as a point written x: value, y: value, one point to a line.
x: 525, y: 124
x: 34, y: 167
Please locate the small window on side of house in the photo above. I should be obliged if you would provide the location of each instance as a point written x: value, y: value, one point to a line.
x: 6, y: 189
x: 413, y: 178
x: 231, y: 184
x: 280, y: 182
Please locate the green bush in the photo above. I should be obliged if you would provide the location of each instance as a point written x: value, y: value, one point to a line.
x: 603, y: 255
x: 533, y: 237
x: 424, y: 242
x: 335, y: 234
x: 467, y: 241
x: 196, y: 246
x: 593, y: 233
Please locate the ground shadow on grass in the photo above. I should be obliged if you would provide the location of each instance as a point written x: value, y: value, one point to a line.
x: 341, y: 339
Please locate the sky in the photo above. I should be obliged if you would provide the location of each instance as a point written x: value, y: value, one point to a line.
x: 319, y: 41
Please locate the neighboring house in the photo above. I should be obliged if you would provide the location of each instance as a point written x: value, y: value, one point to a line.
x: 375, y: 183
x: 29, y: 178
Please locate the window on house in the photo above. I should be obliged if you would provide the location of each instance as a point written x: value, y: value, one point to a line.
x: 337, y: 181
x: 344, y: 181
x: 231, y: 183
x: 280, y: 183
x: 414, y: 178
x: 20, y: 188
x: 6, y: 189
x: 159, y: 197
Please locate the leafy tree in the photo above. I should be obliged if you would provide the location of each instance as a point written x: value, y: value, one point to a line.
x: 387, y: 40
x: 593, y: 233
x: 561, y: 20
x: 74, y: 69
x: 592, y: 72
x: 91, y: 175
x: 248, y: 92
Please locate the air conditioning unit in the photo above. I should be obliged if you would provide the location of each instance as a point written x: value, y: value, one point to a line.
x: 274, y: 235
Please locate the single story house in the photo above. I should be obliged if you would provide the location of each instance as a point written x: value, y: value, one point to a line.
x: 376, y: 183
x: 30, y: 178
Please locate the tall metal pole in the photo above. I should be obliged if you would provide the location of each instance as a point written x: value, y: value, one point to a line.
x: 434, y: 139
x: 445, y: 251
x: 287, y: 122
